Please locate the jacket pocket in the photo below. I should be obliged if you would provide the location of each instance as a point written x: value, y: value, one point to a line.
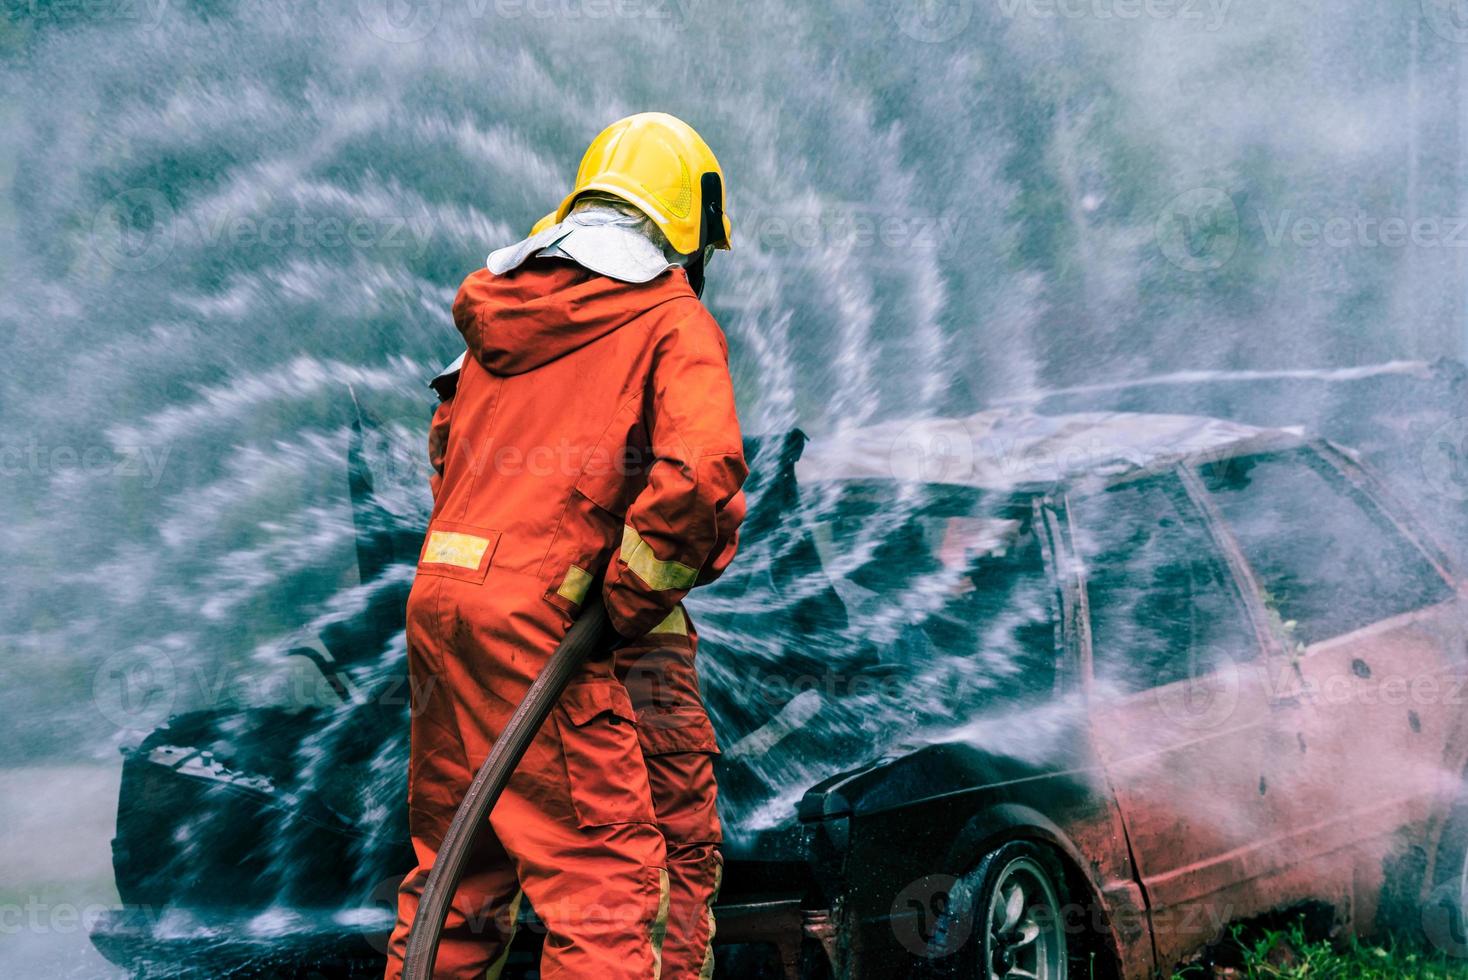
x: 616, y: 469
x: 590, y: 528
x: 605, y: 771
x: 460, y: 551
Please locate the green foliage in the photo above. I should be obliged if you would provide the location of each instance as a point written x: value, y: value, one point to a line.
x: 1288, y: 954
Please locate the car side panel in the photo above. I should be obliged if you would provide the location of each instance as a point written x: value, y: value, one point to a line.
x: 1189, y: 761
x: 1188, y: 787
x: 1381, y: 712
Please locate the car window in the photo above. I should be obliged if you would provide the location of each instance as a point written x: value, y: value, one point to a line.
x: 1327, y: 560
x: 1163, y: 604
x: 946, y: 579
x: 999, y: 617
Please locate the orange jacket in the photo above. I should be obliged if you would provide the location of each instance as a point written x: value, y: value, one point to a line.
x: 592, y: 428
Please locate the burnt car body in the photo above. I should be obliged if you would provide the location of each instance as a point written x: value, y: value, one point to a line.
x: 1253, y: 640
x: 1082, y: 691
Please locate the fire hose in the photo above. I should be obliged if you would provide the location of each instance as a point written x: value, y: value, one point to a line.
x: 588, y: 633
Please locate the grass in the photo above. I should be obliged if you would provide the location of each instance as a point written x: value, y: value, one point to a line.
x: 1287, y: 954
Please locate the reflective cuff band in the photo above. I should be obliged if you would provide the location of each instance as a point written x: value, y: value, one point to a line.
x: 660, y: 575
x: 708, y: 954
x: 575, y: 584
x: 659, y: 931
x: 676, y: 623
x: 455, y: 548
x: 497, y: 967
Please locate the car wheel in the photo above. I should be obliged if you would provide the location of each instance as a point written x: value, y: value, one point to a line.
x: 1005, y: 919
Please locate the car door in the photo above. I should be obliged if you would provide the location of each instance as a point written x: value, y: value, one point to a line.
x: 1372, y: 625
x: 1180, y: 703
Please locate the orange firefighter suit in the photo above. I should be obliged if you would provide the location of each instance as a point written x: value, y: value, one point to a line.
x: 592, y: 429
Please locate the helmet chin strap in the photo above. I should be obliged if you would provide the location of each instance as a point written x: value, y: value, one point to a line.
x: 695, y: 270
x: 711, y: 229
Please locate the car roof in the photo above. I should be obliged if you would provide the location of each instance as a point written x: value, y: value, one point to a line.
x: 1013, y: 449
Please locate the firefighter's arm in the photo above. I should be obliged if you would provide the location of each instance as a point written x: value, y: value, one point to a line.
x: 682, y: 529
x: 444, y: 385
x: 438, y: 445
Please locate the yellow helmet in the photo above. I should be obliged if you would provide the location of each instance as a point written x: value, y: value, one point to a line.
x: 543, y: 224
x: 661, y: 166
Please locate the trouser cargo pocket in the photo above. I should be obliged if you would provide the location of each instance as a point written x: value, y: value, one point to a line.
x: 604, y: 766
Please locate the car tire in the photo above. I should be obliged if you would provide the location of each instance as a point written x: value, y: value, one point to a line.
x: 1005, y: 919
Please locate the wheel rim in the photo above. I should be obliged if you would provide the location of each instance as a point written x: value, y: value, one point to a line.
x: 1026, y: 935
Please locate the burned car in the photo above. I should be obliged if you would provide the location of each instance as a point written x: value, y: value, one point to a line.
x: 1003, y: 696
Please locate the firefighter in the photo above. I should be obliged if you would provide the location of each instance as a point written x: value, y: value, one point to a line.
x: 587, y: 439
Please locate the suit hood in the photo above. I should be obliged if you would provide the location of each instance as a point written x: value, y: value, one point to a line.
x: 545, y: 309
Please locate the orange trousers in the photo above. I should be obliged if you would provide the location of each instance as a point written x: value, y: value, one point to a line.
x: 608, y: 827
x: 679, y: 747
